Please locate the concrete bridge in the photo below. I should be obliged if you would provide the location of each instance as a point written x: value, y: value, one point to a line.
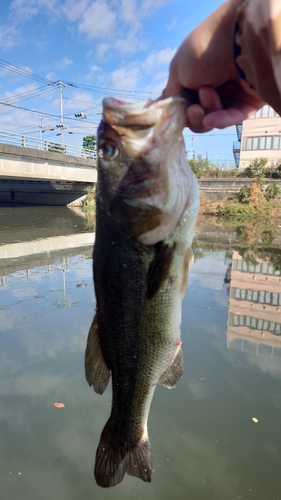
x: 43, y: 173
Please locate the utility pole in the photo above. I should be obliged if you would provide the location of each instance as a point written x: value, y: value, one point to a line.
x: 61, y: 125
x: 40, y: 130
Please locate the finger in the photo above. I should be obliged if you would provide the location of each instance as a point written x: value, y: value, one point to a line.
x: 195, y: 115
x: 209, y: 99
x: 228, y: 117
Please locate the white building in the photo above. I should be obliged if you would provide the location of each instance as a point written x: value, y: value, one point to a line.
x: 259, y: 136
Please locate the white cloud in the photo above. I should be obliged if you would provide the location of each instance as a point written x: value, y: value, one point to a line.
x: 128, y: 11
x: 64, y: 63
x: 10, y: 37
x: 102, y: 50
x: 94, y: 68
x: 156, y: 59
x: 132, y: 42
x: 148, y: 6
x: 172, y: 25
x: 126, y: 78
x: 74, y: 9
x: 130, y: 77
x: 25, y: 9
x: 156, y: 86
x: 98, y: 21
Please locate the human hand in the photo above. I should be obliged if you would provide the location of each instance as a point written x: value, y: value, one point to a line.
x: 205, y: 62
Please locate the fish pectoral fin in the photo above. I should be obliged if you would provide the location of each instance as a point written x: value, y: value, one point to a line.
x: 114, y: 459
x: 171, y: 376
x: 159, y: 268
x: 96, y: 370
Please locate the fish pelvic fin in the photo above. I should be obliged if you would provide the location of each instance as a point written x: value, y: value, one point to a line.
x: 188, y: 261
x: 96, y: 371
x: 159, y: 268
x: 173, y: 374
x: 114, y: 459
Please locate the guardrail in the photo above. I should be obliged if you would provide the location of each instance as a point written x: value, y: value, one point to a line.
x: 53, y: 147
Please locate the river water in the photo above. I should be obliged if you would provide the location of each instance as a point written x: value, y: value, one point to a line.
x: 205, y: 443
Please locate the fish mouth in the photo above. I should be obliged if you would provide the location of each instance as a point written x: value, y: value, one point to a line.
x: 145, y: 114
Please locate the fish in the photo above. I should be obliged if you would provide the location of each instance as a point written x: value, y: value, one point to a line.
x: 147, y: 201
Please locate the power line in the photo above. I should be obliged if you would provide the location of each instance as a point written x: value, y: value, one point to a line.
x: 24, y: 72
x: 30, y: 94
x: 43, y: 113
x: 91, y: 88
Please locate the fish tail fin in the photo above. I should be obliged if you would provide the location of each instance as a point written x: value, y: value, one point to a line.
x: 114, y: 459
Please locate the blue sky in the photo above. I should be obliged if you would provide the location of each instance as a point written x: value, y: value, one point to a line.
x: 97, y: 47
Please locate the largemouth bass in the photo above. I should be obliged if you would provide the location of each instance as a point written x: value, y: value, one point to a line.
x: 146, y: 207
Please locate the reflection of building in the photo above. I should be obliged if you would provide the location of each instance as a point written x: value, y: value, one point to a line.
x: 254, y: 319
x: 259, y: 136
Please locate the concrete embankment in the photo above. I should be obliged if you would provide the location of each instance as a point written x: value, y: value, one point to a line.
x: 217, y: 189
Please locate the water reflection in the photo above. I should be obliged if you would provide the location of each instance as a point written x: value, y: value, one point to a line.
x: 205, y: 445
x: 254, y: 306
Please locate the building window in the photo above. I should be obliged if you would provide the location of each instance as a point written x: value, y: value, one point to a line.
x: 255, y: 323
x: 265, y: 112
x: 262, y: 142
x: 268, y: 142
x: 249, y: 143
x: 276, y: 142
x: 260, y: 297
x: 259, y: 268
x: 265, y: 142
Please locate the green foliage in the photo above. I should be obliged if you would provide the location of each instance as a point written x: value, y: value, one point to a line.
x: 55, y: 147
x: 243, y: 210
x: 244, y: 194
x: 90, y: 201
x: 272, y: 191
x: 90, y: 142
x: 200, y: 165
x: 267, y: 238
x: 256, y: 167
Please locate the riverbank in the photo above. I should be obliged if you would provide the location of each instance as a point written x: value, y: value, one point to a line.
x: 254, y: 200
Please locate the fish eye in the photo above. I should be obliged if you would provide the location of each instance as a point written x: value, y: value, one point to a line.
x: 108, y: 151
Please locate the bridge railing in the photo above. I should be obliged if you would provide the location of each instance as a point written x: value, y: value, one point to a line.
x: 53, y: 147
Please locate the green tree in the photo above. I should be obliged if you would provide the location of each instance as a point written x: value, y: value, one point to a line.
x: 200, y: 165
x: 90, y: 142
x: 256, y: 168
x: 55, y: 147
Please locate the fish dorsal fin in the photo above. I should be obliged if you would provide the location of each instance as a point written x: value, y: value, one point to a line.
x: 175, y: 371
x: 96, y: 371
x: 159, y: 268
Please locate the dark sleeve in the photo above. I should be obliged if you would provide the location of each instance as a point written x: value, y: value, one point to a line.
x: 257, y: 48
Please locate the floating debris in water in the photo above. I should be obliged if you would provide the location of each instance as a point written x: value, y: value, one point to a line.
x: 59, y: 405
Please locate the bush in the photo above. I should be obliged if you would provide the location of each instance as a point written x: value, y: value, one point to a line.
x: 200, y: 165
x: 244, y: 194
x: 256, y: 168
x: 272, y: 191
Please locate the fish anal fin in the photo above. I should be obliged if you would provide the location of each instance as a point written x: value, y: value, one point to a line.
x: 173, y: 374
x: 96, y: 371
x: 114, y: 459
x: 159, y: 268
